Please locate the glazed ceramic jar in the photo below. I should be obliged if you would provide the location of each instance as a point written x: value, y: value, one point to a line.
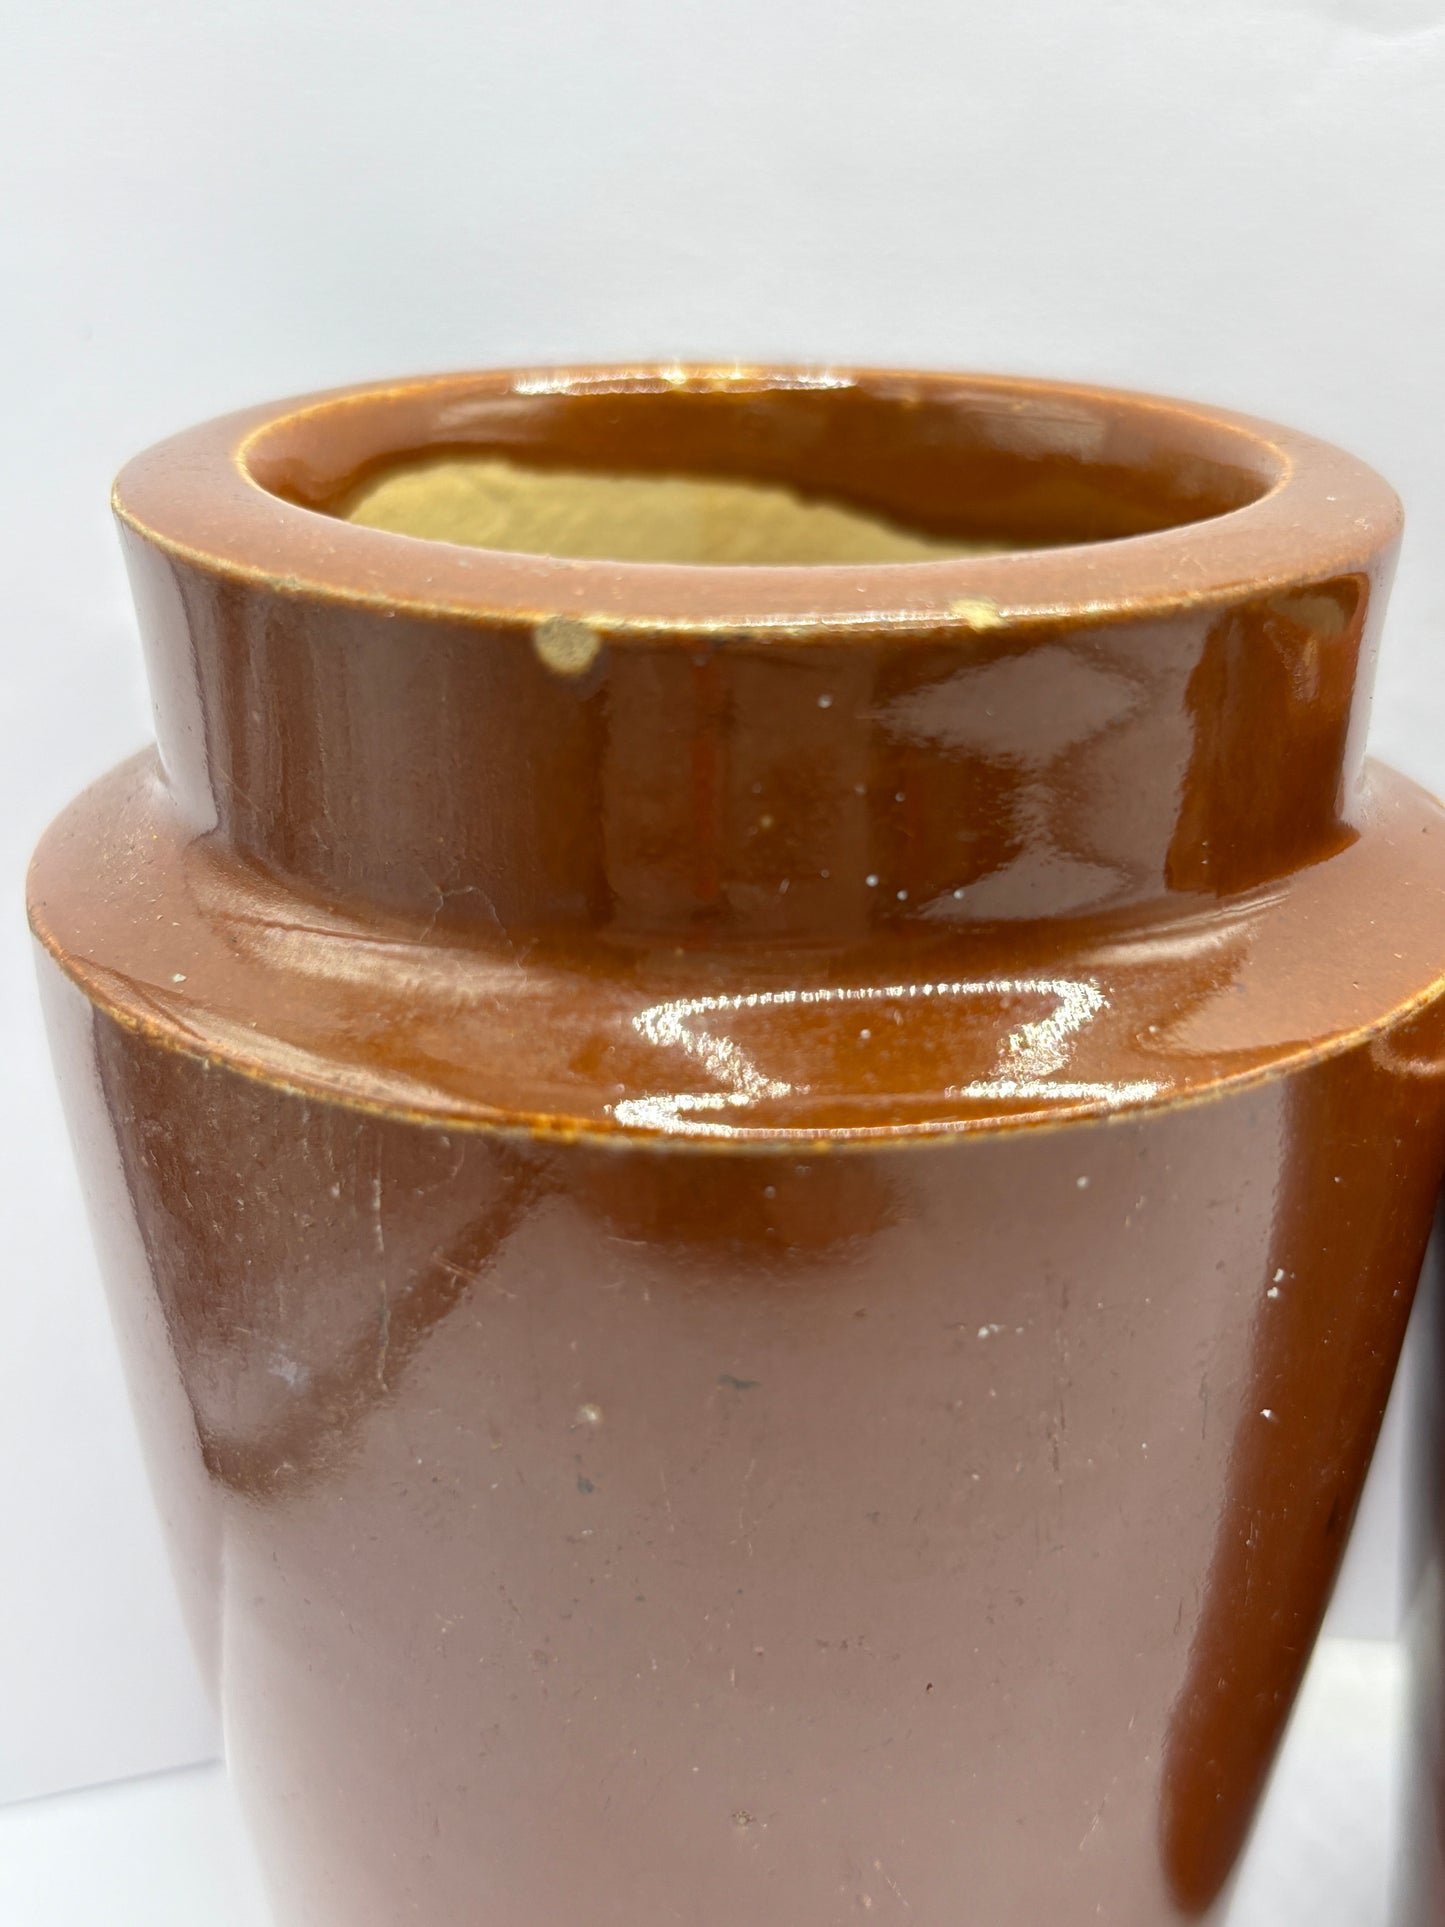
x: 759, y: 1076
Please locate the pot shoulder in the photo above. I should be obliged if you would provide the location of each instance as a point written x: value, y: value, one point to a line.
x: 933, y: 1030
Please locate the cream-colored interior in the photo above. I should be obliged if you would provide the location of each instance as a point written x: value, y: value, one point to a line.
x: 487, y: 502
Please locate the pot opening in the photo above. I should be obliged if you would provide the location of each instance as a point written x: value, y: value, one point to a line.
x: 488, y: 502
x: 762, y: 467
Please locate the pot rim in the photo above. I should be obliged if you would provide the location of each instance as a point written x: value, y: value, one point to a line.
x: 208, y: 496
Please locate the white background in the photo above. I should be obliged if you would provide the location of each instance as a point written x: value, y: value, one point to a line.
x: 204, y: 204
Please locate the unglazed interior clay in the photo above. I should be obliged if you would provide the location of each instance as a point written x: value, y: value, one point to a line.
x: 487, y: 502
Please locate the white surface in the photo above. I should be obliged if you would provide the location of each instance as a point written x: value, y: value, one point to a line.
x: 211, y: 204
x: 167, y: 1851
x: 170, y: 1851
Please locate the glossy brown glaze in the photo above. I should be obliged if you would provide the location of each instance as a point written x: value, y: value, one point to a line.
x: 761, y: 1215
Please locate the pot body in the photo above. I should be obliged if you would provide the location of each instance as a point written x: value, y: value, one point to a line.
x: 939, y: 1531
x: 720, y: 1402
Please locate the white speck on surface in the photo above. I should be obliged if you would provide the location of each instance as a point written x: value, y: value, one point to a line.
x: 1083, y: 1183
x: 825, y: 702
x: 872, y: 882
x: 178, y: 977
x: 1279, y: 1276
x: 979, y: 612
x: 988, y: 1331
x: 291, y: 1373
x: 903, y: 896
x: 378, y: 1233
x: 566, y: 646
x: 1266, y: 1413
x: 589, y: 1415
x: 864, y: 1035
x: 958, y: 895
x: 783, y: 886
x: 1273, y: 1292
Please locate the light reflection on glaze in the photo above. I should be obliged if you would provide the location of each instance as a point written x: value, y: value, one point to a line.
x: 1028, y: 1057
x: 653, y: 380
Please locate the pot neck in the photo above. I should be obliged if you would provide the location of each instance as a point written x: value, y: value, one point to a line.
x: 494, y: 776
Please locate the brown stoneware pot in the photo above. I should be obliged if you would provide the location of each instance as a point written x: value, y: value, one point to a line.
x: 760, y: 1198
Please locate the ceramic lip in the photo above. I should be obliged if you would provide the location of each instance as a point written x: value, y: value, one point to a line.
x: 201, y: 496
